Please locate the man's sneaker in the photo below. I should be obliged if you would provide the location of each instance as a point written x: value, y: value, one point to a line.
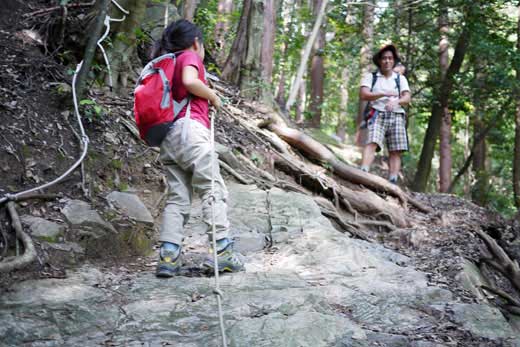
x: 228, y: 260
x: 169, y: 260
x: 392, y: 179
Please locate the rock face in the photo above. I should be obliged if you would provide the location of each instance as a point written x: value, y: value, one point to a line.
x: 314, y: 286
x: 130, y: 205
x: 86, y: 220
x: 43, y: 229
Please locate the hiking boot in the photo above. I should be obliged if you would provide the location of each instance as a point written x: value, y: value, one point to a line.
x: 169, y: 260
x: 228, y: 260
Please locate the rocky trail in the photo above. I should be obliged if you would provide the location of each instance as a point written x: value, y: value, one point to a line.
x: 314, y: 286
x: 332, y: 258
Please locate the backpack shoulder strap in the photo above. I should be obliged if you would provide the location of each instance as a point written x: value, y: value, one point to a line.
x: 374, y: 80
x: 398, y: 83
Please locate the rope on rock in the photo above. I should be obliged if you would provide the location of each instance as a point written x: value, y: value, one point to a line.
x: 217, y: 291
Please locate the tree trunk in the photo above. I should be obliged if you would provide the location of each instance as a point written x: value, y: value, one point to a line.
x: 365, y: 54
x: 445, y: 132
x: 123, y: 48
x: 288, y: 25
x: 443, y: 92
x: 302, y: 102
x: 480, y: 187
x: 90, y: 49
x: 280, y: 91
x: 317, y: 73
x: 516, y: 160
x: 188, y: 9
x: 244, y: 64
x: 306, y: 54
x: 225, y: 7
x: 231, y: 71
x: 343, y: 114
x: 251, y: 84
x: 268, y: 42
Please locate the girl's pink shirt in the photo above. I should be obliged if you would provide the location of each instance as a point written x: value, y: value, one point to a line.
x: 199, y: 106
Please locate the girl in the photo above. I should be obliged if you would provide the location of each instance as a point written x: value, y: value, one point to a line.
x: 187, y: 159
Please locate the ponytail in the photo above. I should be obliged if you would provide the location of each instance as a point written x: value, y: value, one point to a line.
x: 179, y: 35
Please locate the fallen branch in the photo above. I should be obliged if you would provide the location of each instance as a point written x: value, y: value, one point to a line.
x: 365, y: 202
x: 29, y: 254
x: 317, y: 151
x: 235, y: 174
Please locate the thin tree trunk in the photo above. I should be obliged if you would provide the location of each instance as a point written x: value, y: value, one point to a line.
x: 445, y: 132
x: 516, y: 160
x: 306, y: 54
x: 288, y: 26
x: 365, y: 54
x: 302, y: 102
x: 477, y: 139
x: 90, y: 49
x: 225, y: 7
x: 343, y: 114
x: 317, y: 73
x: 432, y: 132
x: 480, y: 186
x: 280, y: 91
x: 188, y: 9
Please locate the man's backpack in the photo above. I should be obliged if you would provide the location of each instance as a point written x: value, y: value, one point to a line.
x: 154, y: 107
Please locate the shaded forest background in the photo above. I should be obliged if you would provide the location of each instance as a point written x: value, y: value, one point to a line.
x: 306, y: 57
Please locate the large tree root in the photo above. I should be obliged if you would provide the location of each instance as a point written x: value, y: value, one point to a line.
x: 29, y: 254
x: 501, y: 261
x: 365, y: 202
x: 317, y: 151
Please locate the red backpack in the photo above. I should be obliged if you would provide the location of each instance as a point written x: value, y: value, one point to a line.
x: 154, y: 107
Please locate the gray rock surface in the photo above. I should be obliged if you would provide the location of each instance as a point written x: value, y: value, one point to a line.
x: 314, y: 287
x: 86, y: 220
x: 131, y: 206
x: 43, y: 229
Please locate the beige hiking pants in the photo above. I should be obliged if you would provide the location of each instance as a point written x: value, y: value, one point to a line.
x: 188, y: 168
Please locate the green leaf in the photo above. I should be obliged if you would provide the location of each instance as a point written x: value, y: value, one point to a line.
x: 87, y: 102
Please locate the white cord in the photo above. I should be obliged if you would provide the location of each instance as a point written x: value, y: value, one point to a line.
x: 217, y: 290
x: 84, y: 138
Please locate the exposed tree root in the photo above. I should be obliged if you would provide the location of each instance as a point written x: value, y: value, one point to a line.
x: 317, y: 151
x: 365, y: 202
x: 329, y: 210
x: 501, y: 261
x: 234, y: 173
x: 29, y: 254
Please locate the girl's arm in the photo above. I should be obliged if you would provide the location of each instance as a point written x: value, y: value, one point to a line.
x: 190, y: 79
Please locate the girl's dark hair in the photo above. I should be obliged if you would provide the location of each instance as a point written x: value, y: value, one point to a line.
x: 177, y: 36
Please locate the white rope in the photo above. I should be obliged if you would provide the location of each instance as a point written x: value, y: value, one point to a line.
x: 84, y: 144
x: 84, y: 138
x: 120, y: 8
x: 217, y: 290
x: 107, y: 21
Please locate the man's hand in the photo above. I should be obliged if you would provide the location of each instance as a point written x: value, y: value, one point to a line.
x: 392, y: 104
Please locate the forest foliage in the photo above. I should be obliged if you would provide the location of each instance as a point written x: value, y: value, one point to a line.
x: 482, y: 101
